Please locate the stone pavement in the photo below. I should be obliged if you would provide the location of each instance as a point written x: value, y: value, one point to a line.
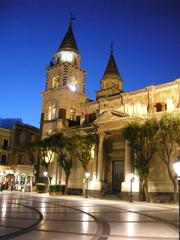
x: 34, y: 216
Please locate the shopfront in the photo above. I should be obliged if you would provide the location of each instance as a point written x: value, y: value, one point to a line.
x: 19, y: 178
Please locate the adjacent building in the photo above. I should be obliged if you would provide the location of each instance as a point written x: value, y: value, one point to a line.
x: 66, y: 108
x: 16, y: 163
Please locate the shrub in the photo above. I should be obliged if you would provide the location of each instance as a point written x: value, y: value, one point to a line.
x: 41, y: 187
x: 55, y: 188
x: 63, y: 187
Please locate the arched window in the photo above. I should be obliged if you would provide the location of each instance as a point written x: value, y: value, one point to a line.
x: 55, y: 82
x: 52, y: 112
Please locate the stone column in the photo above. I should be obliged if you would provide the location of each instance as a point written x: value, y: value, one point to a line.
x: 95, y: 164
x: 100, y: 157
x: 128, y: 168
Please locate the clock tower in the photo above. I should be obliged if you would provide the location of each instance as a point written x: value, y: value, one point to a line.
x: 64, y: 94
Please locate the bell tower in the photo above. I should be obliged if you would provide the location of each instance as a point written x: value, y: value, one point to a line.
x: 64, y: 92
x: 111, y: 82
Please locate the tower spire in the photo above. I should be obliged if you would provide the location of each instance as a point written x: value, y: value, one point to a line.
x: 111, y: 67
x: 69, y: 42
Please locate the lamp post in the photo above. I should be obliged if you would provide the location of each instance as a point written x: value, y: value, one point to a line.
x: 176, y: 166
x: 87, y: 175
x: 131, y: 176
x: 47, y: 176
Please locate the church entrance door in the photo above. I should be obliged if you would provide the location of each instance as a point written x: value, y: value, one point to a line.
x: 117, y: 175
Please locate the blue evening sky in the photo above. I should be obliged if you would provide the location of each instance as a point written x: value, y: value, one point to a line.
x: 145, y: 35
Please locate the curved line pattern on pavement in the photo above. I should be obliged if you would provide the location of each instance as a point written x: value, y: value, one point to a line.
x: 24, y: 230
x: 174, y: 226
x: 103, y: 228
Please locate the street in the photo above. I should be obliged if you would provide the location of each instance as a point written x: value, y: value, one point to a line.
x: 31, y: 216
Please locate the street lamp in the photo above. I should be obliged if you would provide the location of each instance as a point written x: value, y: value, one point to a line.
x: 47, y: 176
x: 87, y: 175
x: 176, y: 166
x: 45, y: 173
x: 131, y: 177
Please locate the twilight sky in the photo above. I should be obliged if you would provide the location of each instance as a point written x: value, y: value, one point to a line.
x: 145, y: 35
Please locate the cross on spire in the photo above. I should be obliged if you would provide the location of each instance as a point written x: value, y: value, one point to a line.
x: 71, y: 18
x: 111, y: 46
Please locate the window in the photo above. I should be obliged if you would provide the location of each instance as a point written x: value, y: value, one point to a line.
x: 158, y: 107
x: 78, y: 119
x: 92, y: 117
x: 89, y: 118
x: 5, y: 144
x: 20, y: 159
x: 72, y: 114
x: 55, y: 82
x: 42, y: 117
x: 3, y: 160
x: 170, y: 104
x: 52, y: 112
x: 62, y: 113
x: 22, y: 138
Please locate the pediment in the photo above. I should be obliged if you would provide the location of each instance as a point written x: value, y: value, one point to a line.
x: 110, y: 115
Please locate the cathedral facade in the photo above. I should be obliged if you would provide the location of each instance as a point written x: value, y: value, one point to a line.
x: 67, y: 109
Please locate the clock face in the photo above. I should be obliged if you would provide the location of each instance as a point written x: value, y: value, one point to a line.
x: 73, y: 84
x: 66, y: 56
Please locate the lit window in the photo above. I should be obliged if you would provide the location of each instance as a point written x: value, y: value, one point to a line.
x: 55, y: 82
x: 170, y: 104
x: 52, y: 112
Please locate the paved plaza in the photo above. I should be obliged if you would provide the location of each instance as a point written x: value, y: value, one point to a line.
x: 31, y: 216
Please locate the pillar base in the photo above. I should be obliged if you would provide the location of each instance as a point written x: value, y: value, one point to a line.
x: 125, y: 187
x: 97, y: 185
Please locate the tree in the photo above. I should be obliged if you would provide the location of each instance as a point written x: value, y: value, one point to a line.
x: 83, y: 147
x: 34, y: 156
x: 46, y: 155
x: 169, y: 128
x: 143, y: 141
x: 63, y: 147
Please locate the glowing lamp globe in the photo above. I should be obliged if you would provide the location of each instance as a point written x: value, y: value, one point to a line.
x: 176, y: 166
x: 87, y: 175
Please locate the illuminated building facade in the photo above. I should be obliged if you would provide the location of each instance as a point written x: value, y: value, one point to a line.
x: 67, y: 109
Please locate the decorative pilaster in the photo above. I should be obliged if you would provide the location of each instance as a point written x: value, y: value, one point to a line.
x: 178, y: 83
x: 100, y: 157
x: 150, y: 104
